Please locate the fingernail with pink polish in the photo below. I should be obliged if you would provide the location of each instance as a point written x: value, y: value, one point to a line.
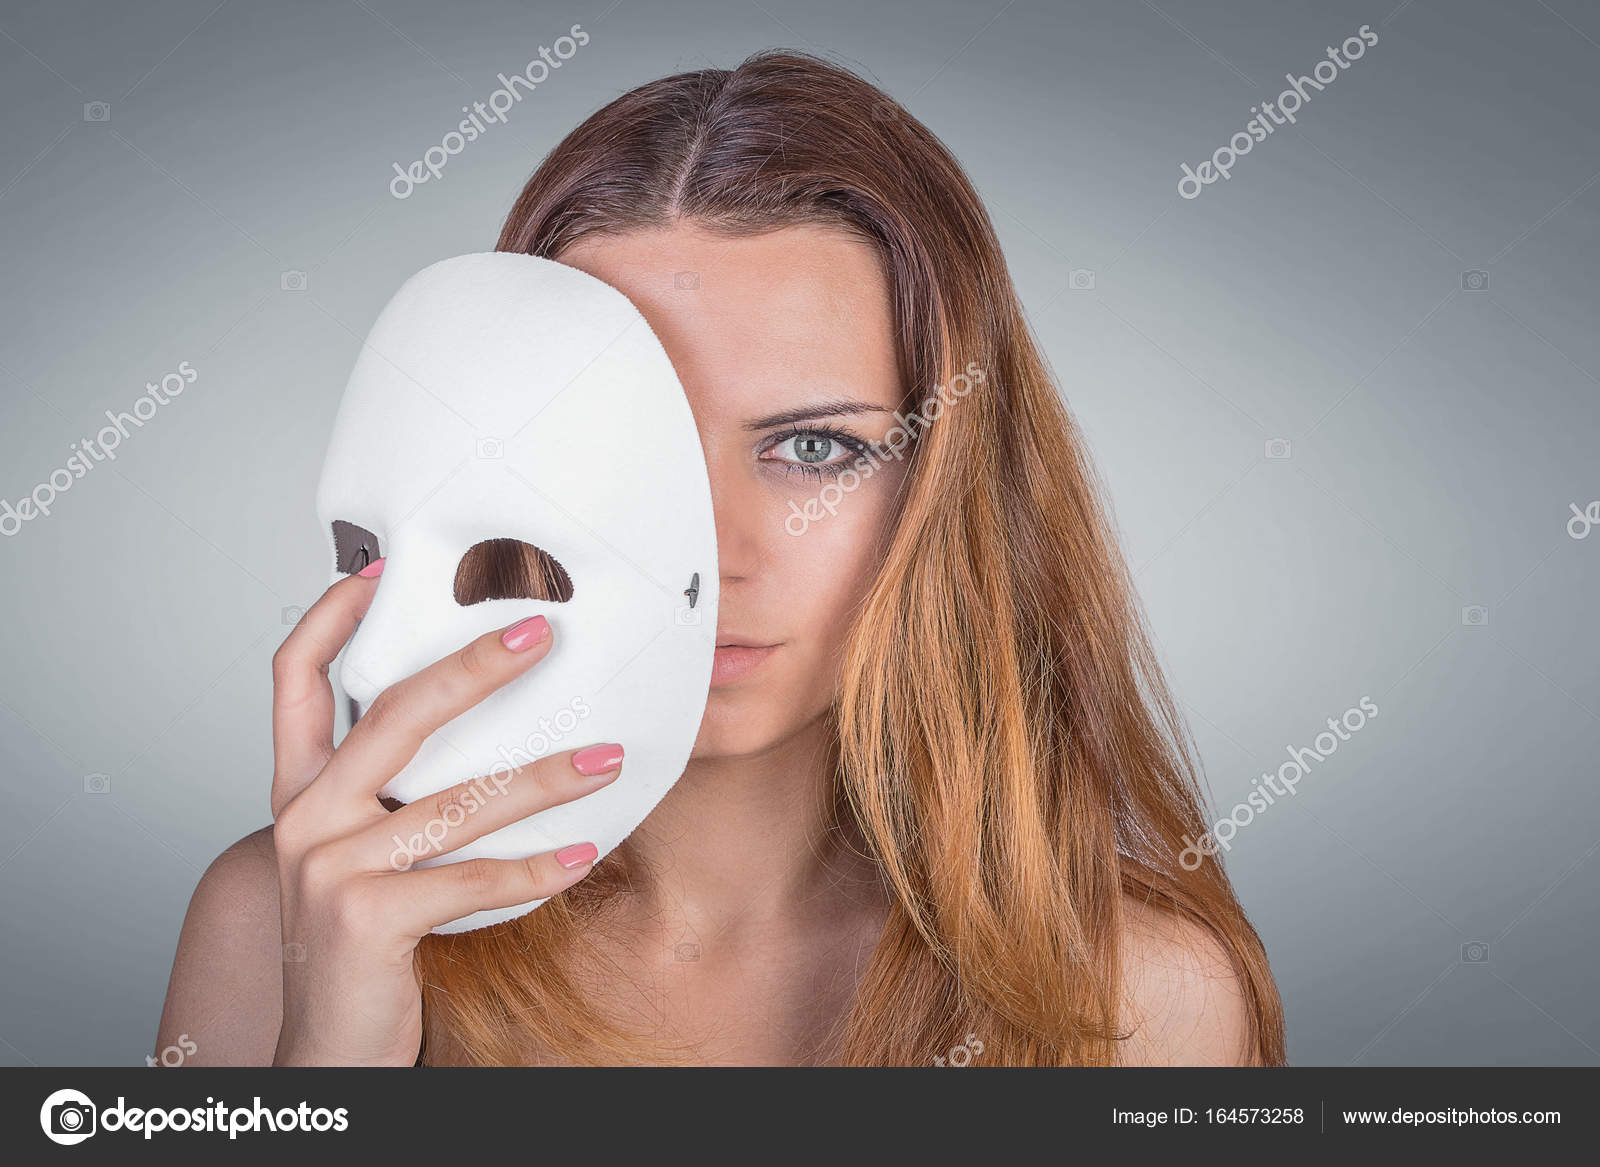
x: 524, y: 634
x: 597, y: 759
x: 375, y: 568
x: 576, y: 855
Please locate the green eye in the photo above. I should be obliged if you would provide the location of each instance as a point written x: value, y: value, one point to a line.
x: 812, y: 447
x: 817, y: 452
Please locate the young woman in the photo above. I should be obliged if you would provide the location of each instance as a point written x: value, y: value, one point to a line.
x: 939, y: 797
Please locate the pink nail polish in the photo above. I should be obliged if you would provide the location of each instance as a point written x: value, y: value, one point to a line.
x: 576, y: 855
x: 524, y: 634
x: 374, y: 568
x: 597, y: 759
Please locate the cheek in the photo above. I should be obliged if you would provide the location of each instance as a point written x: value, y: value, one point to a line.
x: 827, y: 562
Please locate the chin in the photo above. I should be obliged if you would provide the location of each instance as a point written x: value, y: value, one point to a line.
x: 745, y: 724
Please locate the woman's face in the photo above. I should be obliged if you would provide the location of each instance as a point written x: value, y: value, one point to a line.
x: 784, y: 344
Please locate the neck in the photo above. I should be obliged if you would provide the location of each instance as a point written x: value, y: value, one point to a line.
x: 742, y: 842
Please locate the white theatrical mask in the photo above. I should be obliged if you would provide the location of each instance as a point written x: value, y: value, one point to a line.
x: 503, y: 396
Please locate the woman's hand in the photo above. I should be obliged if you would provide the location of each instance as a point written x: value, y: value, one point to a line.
x: 351, y: 993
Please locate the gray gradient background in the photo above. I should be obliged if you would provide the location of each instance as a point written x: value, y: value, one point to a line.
x: 1438, y: 434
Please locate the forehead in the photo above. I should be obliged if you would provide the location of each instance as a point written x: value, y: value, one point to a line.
x: 752, y: 321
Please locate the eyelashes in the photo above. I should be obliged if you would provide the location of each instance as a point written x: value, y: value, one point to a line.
x: 852, y: 446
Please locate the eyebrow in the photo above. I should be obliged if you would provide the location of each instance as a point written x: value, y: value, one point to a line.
x: 812, y: 412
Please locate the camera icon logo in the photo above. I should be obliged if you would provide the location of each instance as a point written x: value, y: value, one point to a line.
x: 97, y: 784
x: 685, y: 616
x: 1279, y: 449
x: 1474, y: 281
x: 294, y: 953
x: 1474, y: 615
x: 1080, y: 279
x: 96, y: 111
x: 292, y: 614
x: 686, y: 280
x: 293, y: 281
x: 686, y: 952
x: 490, y: 448
x: 1475, y: 952
x: 68, y: 1117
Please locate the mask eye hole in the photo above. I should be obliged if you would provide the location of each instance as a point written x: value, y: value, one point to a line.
x: 353, y: 547
x: 509, y: 569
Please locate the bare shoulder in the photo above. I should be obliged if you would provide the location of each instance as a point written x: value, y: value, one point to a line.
x: 1183, y: 1000
x: 225, y: 999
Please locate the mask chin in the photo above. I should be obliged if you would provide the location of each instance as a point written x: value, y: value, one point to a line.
x: 513, y: 440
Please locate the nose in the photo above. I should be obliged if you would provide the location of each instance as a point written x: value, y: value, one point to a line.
x: 370, y: 665
x: 387, y: 645
x: 738, y: 513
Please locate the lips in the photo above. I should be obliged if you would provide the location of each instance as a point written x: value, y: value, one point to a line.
x: 735, y: 660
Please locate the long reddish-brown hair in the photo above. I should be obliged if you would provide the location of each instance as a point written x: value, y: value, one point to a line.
x: 1005, y: 746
